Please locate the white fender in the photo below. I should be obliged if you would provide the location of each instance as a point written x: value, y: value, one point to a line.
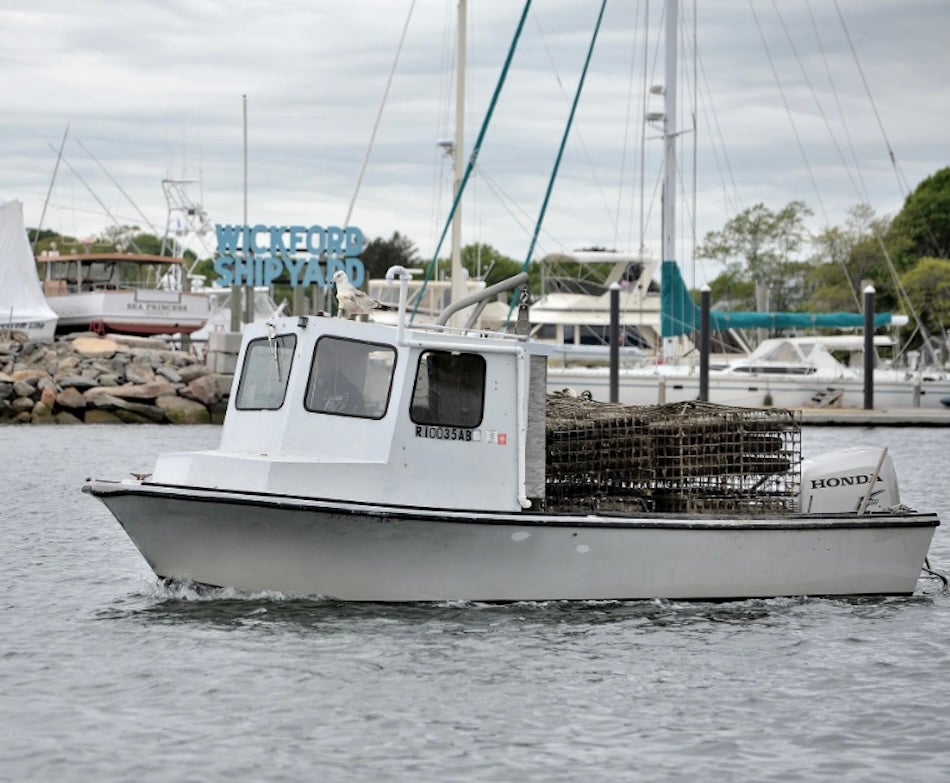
x: 839, y: 482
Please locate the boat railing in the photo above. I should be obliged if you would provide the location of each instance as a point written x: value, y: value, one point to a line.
x: 481, y: 298
x: 467, y: 331
x: 441, y: 326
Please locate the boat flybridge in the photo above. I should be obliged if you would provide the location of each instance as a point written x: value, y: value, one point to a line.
x: 376, y: 462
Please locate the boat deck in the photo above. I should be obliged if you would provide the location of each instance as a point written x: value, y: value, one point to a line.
x: 878, y: 417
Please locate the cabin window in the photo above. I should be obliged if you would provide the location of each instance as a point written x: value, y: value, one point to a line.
x: 449, y: 390
x: 265, y: 373
x: 783, y: 352
x: 350, y: 378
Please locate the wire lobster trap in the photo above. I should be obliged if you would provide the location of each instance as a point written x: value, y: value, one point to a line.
x: 690, y: 457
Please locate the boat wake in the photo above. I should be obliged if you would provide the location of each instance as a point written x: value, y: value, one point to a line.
x: 164, y: 589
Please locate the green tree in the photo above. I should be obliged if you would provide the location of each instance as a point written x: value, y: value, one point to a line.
x: 928, y: 286
x: 44, y: 236
x: 485, y: 262
x: 831, y: 278
x: 925, y: 219
x: 729, y: 292
x: 380, y: 254
x: 125, y: 239
x: 47, y: 240
x: 205, y: 268
x: 864, y: 250
x: 759, y: 245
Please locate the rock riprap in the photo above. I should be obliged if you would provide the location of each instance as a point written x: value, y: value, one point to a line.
x: 85, y: 378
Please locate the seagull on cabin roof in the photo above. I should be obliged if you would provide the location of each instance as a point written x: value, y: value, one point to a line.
x: 352, y: 300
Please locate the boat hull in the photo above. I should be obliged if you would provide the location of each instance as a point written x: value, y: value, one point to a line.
x: 643, y: 388
x: 38, y: 330
x: 131, y: 311
x: 375, y: 553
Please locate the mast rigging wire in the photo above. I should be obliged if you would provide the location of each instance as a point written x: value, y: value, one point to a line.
x: 643, y: 127
x: 901, y: 181
x: 626, y: 138
x: 560, y: 152
x: 49, y: 192
x: 96, y: 197
x: 834, y: 139
x: 788, y: 111
x: 902, y: 294
x: 593, y: 171
x: 121, y: 189
x: 473, y: 157
x: 379, y: 116
x: 567, y: 131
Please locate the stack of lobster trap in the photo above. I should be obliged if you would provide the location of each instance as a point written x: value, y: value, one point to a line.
x: 685, y: 457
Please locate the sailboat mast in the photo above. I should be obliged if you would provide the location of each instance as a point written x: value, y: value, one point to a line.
x: 668, y: 248
x: 59, y: 157
x: 458, y: 278
x: 669, y: 136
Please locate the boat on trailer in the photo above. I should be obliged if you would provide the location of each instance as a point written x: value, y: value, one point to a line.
x: 130, y: 293
x: 398, y: 462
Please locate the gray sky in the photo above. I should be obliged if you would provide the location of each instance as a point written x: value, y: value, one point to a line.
x: 153, y: 90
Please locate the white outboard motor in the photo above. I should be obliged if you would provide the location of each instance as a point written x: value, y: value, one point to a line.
x: 839, y: 482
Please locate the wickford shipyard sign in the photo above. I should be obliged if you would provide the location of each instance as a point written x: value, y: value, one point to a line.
x: 304, y: 255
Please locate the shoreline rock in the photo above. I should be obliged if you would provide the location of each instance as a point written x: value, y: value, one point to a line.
x: 87, y: 379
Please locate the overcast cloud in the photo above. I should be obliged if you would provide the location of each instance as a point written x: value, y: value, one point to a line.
x: 154, y: 90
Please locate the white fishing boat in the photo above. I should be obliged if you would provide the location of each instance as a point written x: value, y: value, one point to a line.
x: 121, y: 292
x: 22, y: 306
x: 420, y: 462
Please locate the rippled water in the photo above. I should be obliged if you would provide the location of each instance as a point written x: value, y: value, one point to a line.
x: 105, y: 676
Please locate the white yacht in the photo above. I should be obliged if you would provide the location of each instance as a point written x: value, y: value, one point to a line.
x: 128, y: 293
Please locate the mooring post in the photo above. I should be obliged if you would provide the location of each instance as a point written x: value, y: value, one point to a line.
x: 869, y: 348
x: 236, y: 307
x: 704, y: 343
x: 614, y: 342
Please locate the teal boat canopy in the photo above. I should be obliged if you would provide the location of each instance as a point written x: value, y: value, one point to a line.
x: 680, y: 315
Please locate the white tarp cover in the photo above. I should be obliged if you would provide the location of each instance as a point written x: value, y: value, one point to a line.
x: 22, y: 303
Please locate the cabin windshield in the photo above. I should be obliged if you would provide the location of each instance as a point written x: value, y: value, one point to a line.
x: 782, y: 352
x: 449, y: 389
x: 86, y: 275
x: 96, y: 273
x: 265, y: 373
x: 350, y: 378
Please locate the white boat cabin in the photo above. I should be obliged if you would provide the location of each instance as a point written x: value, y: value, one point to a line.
x: 366, y: 412
x: 77, y: 273
x: 815, y: 355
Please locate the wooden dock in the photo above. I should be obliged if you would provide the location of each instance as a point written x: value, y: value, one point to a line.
x: 878, y: 417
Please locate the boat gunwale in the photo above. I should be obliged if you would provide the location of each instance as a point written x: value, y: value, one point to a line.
x: 775, y: 522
